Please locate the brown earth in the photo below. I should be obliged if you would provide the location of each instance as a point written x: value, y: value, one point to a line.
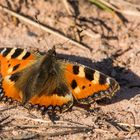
x: 114, y: 49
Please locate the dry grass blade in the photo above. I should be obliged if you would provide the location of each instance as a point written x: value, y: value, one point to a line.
x: 43, y: 27
x: 66, y: 122
x: 119, y: 127
x: 26, y: 126
x: 4, y: 122
x: 3, y: 119
x: 65, y: 126
x: 52, y: 126
x: 36, y: 120
x: 25, y: 137
x: 68, y: 7
x: 130, y: 3
x: 134, y: 125
x: 75, y: 123
x: 67, y: 132
x: 7, y: 108
x: 126, y: 12
x: 70, y: 127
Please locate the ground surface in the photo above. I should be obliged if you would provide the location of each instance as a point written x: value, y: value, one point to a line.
x: 114, y: 50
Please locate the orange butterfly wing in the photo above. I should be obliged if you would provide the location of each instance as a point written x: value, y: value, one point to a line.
x: 13, y: 60
x: 88, y: 85
x: 53, y: 102
x: 84, y: 84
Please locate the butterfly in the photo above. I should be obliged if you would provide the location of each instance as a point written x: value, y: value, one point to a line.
x: 48, y: 82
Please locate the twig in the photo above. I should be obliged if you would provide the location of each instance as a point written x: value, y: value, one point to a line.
x: 90, y: 34
x: 25, y: 137
x: 126, y: 12
x: 3, y: 119
x: 125, y: 3
x: 43, y: 27
x: 36, y: 120
x: 109, y: 5
x: 52, y: 126
x: 8, y: 108
x: 101, y: 130
x: 25, y: 126
x: 62, y: 133
x: 67, y: 6
x: 49, y: 122
x: 75, y: 123
x: 67, y: 132
x: 134, y: 125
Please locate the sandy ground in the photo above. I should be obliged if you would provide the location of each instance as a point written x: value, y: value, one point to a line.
x: 114, y: 50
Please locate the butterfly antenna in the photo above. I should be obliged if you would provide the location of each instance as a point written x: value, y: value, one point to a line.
x: 55, y: 46
x: 36, y: 19
x: 61, y: 45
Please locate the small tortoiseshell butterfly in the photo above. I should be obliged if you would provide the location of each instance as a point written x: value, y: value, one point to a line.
x: 49, y: 82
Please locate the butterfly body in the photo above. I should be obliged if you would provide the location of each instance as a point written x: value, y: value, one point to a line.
x: 49, y: 82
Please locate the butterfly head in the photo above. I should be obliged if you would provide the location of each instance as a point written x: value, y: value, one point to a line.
x: 52, y: 52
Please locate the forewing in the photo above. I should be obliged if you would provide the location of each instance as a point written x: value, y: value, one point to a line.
x: 13, y: 60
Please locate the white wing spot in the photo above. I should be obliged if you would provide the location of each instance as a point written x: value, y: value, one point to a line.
x: 77, y: 89
x: 10, y: 53
x: 81, y: 72
x: 10, y: 70
x: 22, y: 55
x: 96, y: 77
x: 108, y: 80
x: 3, y: 50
